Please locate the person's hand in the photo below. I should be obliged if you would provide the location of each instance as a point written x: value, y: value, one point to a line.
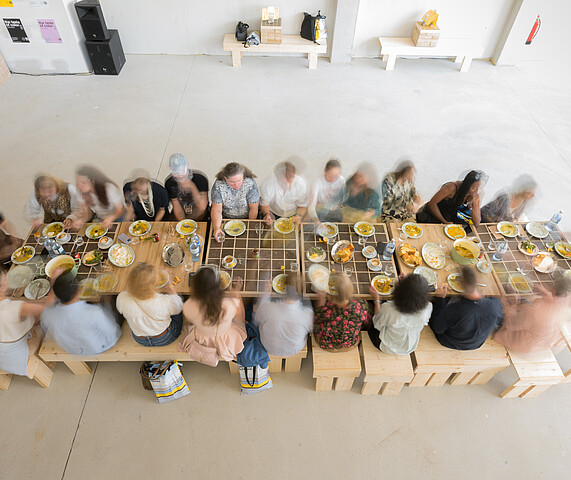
x: 67, y: 223
x: 170, y: 288
x: 268, y: 218
x: 56, y: 272
x: 217, y: 232
x: 373, y: 292
x: 36, y: 223
x: 107, y: 222
x: 321, y: 297
x: 296, y: 218
x: 442, y: 290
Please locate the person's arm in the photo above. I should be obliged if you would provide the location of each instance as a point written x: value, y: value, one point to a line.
x: 299, y: 214
x: 375, y: 294
x: 118, y: 212
x: 438, y: 321
x: 446, y: 191
x: 177, y: 209
x: 476, y: 214
x: 29, y: 309
x: 267, y: 214
x: 253, y: 199
x: 160, y: 215
x: 200, y: 200
x: 253, y: 210
x: 33, y: 212
x: 216, y: 217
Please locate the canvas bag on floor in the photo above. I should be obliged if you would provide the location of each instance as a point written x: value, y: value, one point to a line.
x: 166, y: 380
x: 254, y: 380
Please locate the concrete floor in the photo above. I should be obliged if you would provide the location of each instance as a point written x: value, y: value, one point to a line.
x: 503, y: 120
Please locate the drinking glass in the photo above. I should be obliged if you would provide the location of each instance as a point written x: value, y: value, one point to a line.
x: 171, y: 230
x: 293, y: 267
x: 188, y: 266
x: 79, y: 241
x: 362, y: 241
x: 444, y: 244
x: 492, y: 244
x: 135, y: 241
x: 221, y: 237
x: 389, y: 270
x: 259, y: 228
x: 403, y: 236
x: 348, y: 270
x: 524, y: 268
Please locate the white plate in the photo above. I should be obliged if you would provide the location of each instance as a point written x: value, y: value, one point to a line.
x: 234, y: 228
x: 28, y: 248
x: 318, y: 259
x: 537, y: 230
x: 454, y: 286
x: 372, y: 267
x: 104, y: 245
x: 225, y: 280
x: 433, y: 255
x: 39, y: 288
x: 544, y: 262
x: 319, y: 277
x: 164, y: 275
x: 359, y: 224
x: 369, y: 252
x: 383, y: 277
x: 121, y: 255
x: 565, y: 249
x: 414, y: 225
x: 231, y: 264
x: 484, y: 266
x: 144, y: 223
x: 47, y: 227
x: 279, y: 278
x: 509, y: 235
x: 186, y: 227
x: 95, y: 236
x: 106, y: 282
x: 328, y: 230
x: 449, y: 235
x: 428, y: 274
x: 63, y: 238
x: 511, y: 281
x: 281, y: 221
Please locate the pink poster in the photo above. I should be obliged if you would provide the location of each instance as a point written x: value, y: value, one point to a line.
x: 49, y: 31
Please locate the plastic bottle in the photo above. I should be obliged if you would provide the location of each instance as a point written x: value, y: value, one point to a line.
x: 555, y: 219
x: 195, y: 250
x: 389, y: 250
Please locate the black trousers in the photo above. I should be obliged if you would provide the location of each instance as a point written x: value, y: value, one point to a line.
x: 374, y: 336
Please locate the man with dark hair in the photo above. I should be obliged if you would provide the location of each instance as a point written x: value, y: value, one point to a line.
x: 465, y: 324
x: 79, y: 327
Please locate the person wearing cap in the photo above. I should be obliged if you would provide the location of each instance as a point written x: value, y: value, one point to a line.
x: 187, y: 190
x: 79, y: 327
x: 145, y: 200
x: 283, y: 325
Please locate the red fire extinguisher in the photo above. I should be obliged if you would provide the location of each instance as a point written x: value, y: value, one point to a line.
x: 534, y: 30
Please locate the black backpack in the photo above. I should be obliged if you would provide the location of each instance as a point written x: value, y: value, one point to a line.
x: 308, y: 25
x: 241, y: 31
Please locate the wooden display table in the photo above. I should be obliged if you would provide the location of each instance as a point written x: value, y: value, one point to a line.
x: 290, y: 44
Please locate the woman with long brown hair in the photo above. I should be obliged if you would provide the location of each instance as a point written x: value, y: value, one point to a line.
x: 213, y: 317
x: 101, y: 196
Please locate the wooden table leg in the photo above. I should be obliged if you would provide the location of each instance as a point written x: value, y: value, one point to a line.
x: 344, y: 383
x: 534, y: 391
x: 466, y: 64
x: 312, y: 58
x: 514, y: 391
x: 5, y: 380
x: 323, y: 384
x: 392, y: 388
x: 462, y: 378
x: 371, y: 388
x: 236, y: 58
x: 293, y: 364
x: 437, y: 380
x: 275, y: 366
x: 484, y: 377
x: 79, y: 368
x: 391, y: 62
x: 420, y: 380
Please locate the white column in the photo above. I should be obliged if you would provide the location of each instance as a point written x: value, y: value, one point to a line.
x: 344, y: 31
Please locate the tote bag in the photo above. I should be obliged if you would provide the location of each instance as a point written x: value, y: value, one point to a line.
x: 165, y: 379
x: 254, y: 380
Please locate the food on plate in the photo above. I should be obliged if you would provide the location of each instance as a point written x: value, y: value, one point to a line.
x: 92, y: 258
x: 344, y: 254
x: 364, y: 228
x: 121, y: 255
x: 464, y: 252
x: 383, y: 284
x: 234, y: 227
x: 455, y: 283
x: 528, y: 248
x: 163, y: 278
x: 224, y: 280
x: 508, y: 229
x: 140, y: 227
x: 520, y: 284
x: 433, y: 255
x: 280, y: 283
x: 315, y: 252
x: 284, y: 225
x: 106, y: 282
x: 413, y: 230
x: 410, y: 255
x: 329, y: 229
x: 97, y: 230
x: 544, y: 263
x: 53, y: 229
x: 537, y: 230
x: 454, y: 231
x: 563, y: 249
x: 186, y: 227
x: 23, y: 254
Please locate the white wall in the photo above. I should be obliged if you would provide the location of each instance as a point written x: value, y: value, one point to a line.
x: 70, y: 56
x: 482, y: 21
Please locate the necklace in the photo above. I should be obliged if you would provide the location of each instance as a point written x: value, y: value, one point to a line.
x: 147, y: 203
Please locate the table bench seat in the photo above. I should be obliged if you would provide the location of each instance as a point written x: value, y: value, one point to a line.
x: 290, y: 44
x: 334, y: 370
x: 288, y: 364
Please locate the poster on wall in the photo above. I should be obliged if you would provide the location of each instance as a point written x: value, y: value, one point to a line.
x: 49, y: 30
x: 6, y: 3
x: 16, y: 30
x: 38, y: 3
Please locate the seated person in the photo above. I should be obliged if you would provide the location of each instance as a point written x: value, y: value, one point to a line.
x: 234, y: 195
x: 8, y: 240
x: 145, y: 200
x: 78, y: 327
x: 532, y: 327
x: 53, y: 200
x: 100, y: 197
x: 339, y: 320
x: 283, y: 194
x: 510, y: 204
x: 361, y: 200
x: 466, y: 323
x: 187, y: 190
x: 17, y: 320
x: 398, y: 323
x: 400, y: 198
x: 327, y: 194
x: 283, y: 325
x: 214, y: 318
x: 155, y: 319
x: 455, y: 202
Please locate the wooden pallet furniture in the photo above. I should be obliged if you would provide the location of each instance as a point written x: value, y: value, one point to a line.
x: 536, y: 372
x: 289, y: 44
x: 125, y: 350
x: 37, y: 368
x: 334, y: 370
x: 383, y: 372
x: 461, y: 49
x: 434, y: 364
x: 288, y: 364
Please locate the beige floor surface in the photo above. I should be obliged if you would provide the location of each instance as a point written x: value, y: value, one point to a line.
x: 503, y: 120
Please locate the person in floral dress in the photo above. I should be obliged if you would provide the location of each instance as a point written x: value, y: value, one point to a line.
x: 340, y: 319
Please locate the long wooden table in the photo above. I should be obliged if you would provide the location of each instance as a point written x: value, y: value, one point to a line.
x: 435, y: 233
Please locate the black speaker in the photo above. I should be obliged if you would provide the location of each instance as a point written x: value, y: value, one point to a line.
x: 107, y: 57
x: 91, y: 19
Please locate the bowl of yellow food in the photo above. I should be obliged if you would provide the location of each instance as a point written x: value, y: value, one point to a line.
x: 279, y: 283
x: 383, y: 284
x: 66, y: 263
x: 23, y: 254
x: 413, y: 230
x: 284, y: 225
x: 454, y: 231
x: 95, y: 231
x: 364, y: 229
x: 508, y: 229
x: 225, y: 280
x: 465, y: 252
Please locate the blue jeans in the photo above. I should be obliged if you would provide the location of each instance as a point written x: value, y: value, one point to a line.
x: 167, y: 337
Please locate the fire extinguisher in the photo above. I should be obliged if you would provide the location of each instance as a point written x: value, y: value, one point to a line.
x: 534, y: 30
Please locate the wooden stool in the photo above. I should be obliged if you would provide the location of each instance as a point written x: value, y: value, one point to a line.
x: 381, y: 368
x: 328, y: 366
x: 536, y: 373
x: 37, y: 369
x: 289, y: 364
x: 434, y: 363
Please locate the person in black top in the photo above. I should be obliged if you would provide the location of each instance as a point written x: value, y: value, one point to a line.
x: 187, y: 190
x: 145, y: 200
x: 466, y: 323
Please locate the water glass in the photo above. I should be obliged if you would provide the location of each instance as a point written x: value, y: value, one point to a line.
x: 259, y: 228
x: 79, y: 242
x: 524, y: 268
x: 171, y: 230
x: 348, y: 271
x: 293, y: 267
x: 362, y: 241
x: 492, y: 244
x: 188, y: 266
x: 403, y: 236
x: 501, y: 250
x: 444, y: 244
x: 221, y: 237
x: 389, y: 270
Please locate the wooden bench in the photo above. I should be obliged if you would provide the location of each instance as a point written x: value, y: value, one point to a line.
x: 536, y: 373
x: 566, y: 332
x: 290, y: 44
x: 37, y: 369
x: 125, y: 350
x: 383, y: 372
x: 435, y: 364
x: 343, y: 367
x: 461, y: 49
x: 289, y: 364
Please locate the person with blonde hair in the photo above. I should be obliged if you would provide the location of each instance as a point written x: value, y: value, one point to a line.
x: 146, y: 200
x: 340, y: 319
x: 52, y: 200
x: 155, y: 319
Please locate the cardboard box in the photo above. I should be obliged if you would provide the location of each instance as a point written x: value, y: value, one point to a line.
x: 424, y: 36
x: 271, y: 31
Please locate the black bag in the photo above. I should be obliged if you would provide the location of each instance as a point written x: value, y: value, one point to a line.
x: 308, y: 27
x: 242, y: 31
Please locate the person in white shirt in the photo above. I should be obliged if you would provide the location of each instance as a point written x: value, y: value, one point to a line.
x: 283, y: 325
x: 155, y: 319
x: 284, y: 194
x: 99, y: 195
x: 327, y: 194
